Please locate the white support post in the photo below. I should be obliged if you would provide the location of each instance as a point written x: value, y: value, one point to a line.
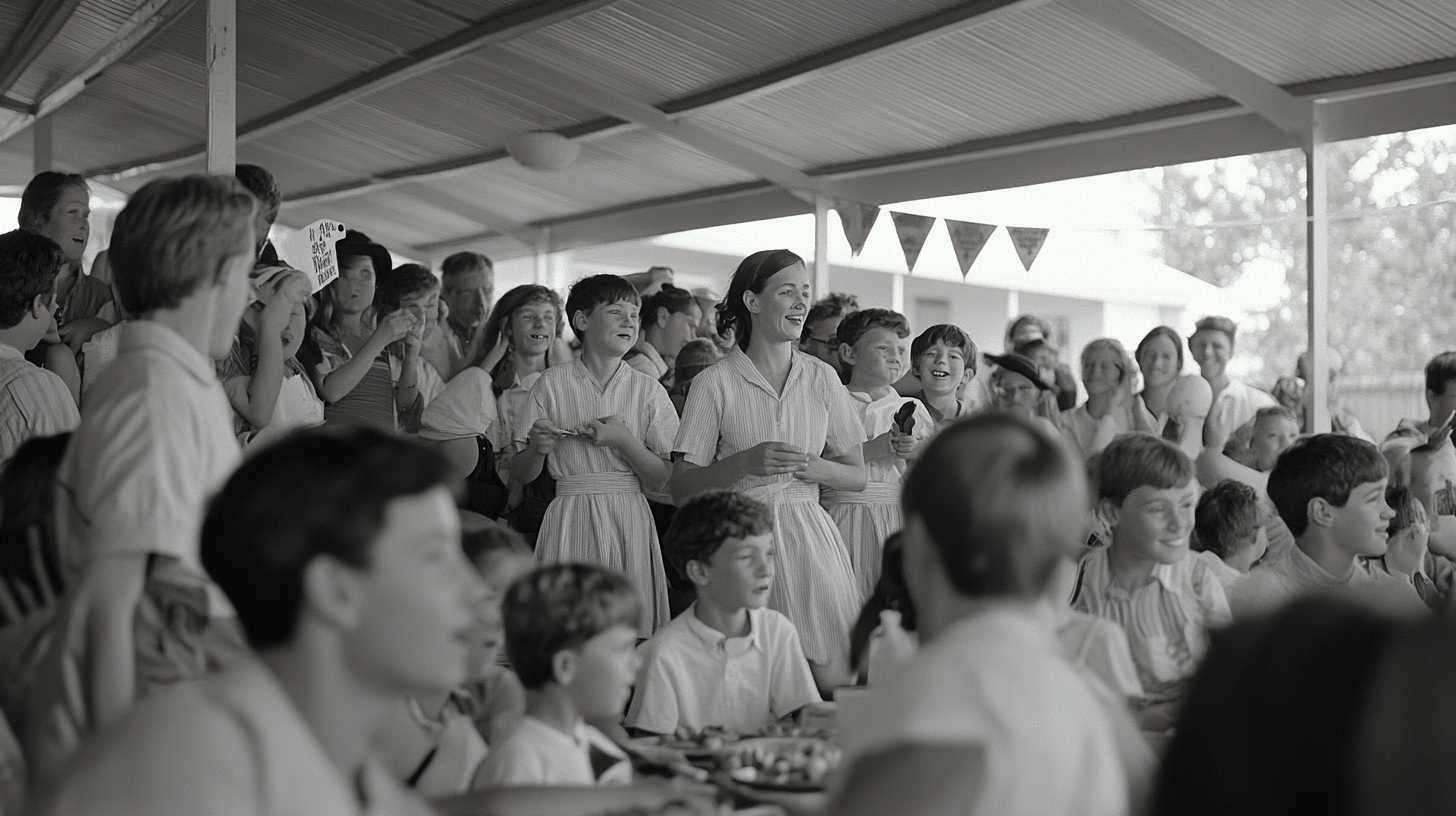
x: 42, y: 159
x: 543, y: 256
x: 1317, y: 234
x: 821, y: 246
x: 897, y: 292
x: 1013, y: 305
x: 222, y: 86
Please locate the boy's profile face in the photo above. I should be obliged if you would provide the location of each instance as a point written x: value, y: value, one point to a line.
x: 942, y: 369
x: 601, y: 671
x: 415, y: 614
x: 1359, y: 527
x: 878, y: 356
x: 610, y: 328
x: 740, y: 575
x: 1154, y: 523
x: 1272, y: 435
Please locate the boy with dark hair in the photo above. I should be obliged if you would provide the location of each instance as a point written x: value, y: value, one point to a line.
x: 1330, y: 491
x: 943, y: 361
x: 1423, y: 458
x: 873, y: 349
x: 1143, y: 580
x: 156, y: 440
x: 351, y: 593
x: 607, y: 430
x: 1228, y: 531
x: 258, y: 181
x: 33, y: 401
x: 992, y: 506
x: 571, y: 630
x: 727, y: 660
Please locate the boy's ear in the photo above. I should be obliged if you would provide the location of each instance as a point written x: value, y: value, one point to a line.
x: 40, y: 305
x: 846, y: 353
x: 1109, y: 511
x: 332, y: 592
x: 1320, y: 512
x: 578, y: 320
x: 661, y: 317
x: 698, y: 573
x: 564, y: 666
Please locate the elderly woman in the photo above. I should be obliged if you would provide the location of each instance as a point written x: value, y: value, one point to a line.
x: 1234, y: 403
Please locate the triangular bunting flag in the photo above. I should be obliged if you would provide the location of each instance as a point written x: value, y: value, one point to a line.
x: 1028, y: 241
x: 968, y: 238
x: 858, y: 219
x: 912, y: 230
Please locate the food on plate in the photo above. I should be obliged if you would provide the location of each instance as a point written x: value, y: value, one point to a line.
x: 784, y: 763
x: 707, y: 739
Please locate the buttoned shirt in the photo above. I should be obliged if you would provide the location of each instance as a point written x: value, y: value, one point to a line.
x: 231, y: 743
x: 155, y: 442
x: 33, y: 402
x: 693, y: 675
x: 536, y: 754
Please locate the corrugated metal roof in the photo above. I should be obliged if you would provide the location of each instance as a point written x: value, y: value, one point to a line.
x: 87, y: 30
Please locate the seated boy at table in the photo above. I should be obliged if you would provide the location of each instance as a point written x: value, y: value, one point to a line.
x: 1228, y: 530
x: 988, y: 716
x: 1330, y: 491
x: 571, y: 633
x: 727, y: 660
x: 1143, y: 580
x: 351, y: 593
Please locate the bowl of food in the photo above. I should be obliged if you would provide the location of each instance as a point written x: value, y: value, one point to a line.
x: 694, y: 743
x: 796, y: 764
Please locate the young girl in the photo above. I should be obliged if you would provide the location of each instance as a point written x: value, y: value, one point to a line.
x: 1160, y: 359
x: 268, y: 390
x: 346, y: 350
x: 1108, y: 374
x: 776, y: 424
x: 608, y: 429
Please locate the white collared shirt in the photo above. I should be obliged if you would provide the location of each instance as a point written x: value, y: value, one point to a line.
x: 1236, y: 404
x: 536, y: 755
x: 693, y: 675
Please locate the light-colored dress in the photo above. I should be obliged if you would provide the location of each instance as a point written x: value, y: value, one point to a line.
x: 732, y: 408
x: 599, y: 515
x: 867, y: 517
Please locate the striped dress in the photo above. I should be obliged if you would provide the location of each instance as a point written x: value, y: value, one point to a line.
x: 732, y: 408
x: 867, y: 517
x: 599, y: 515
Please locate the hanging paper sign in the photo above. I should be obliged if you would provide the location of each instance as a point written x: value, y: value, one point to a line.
x: 858, y: 219
x: 912, y: 231
x: 1028, y: 242
x: 311, y: 249
x: 968, y: 238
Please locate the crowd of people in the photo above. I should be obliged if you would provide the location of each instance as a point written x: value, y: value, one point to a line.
x: 265, y: 549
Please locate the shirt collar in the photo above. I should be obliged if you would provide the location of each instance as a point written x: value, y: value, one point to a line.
x: 738, y: 361
x: 149, y: 334
x: 1304, y: 569
x: 580, y: 371
x: 9, y: 352
x: 718, y: 642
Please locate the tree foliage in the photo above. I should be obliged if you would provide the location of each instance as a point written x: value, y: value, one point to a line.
x: 1392, y: 291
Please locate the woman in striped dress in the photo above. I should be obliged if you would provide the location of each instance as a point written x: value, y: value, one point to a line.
x: 775, y: 423
x: 607, y: 429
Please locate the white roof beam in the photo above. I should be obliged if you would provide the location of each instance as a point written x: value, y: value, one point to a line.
x: 1284, y: 110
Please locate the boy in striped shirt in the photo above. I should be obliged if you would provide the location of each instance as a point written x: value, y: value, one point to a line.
x: 33, y: 401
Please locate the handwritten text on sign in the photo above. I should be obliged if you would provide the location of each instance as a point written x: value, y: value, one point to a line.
x: 311, y: 249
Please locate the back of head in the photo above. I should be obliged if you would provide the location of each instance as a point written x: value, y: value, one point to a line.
x: 1001, y: 501
x: 175, y: 234
x: 393, y: 287
x: 263, y: 528
x: 669, y: 297
x: 751, y: 275
x: 692, y: 359
x: 1439, y: 371
x: 489, y: 538
x: 1227, y: 514
x: 463, y: 262
x: 1270, y: 722
x: 562, y: 606
x: 834, y: 304
x: 42, y: 193
x: 28, y: 266
x: 1140, y: 460
x: 1325, y: 466
x: 1024, y: 324
x: 258, y: 181
x: 598, y: 290
x: 704, y: 522
x: 27, y: 503
x: 856, y: 324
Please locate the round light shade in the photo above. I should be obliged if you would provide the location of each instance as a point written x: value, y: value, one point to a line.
x: 543, y: 150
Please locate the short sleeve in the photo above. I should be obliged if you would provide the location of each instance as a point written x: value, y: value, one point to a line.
x: 654, y: 703
x: 702, y: 421
x: 1211, y: 596
x: 662, y: 423
x: 792, y: 684
x: 512, y: 765
x: 465, y: 408
x: 845, y: 430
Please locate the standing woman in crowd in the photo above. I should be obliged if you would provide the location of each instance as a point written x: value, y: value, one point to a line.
x: 1160, y: 358
x: 1234, y: 403
x: 777, y: 424
x: 346, y: 348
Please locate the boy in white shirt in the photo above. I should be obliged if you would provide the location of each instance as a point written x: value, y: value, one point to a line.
x: 571, y: 630
x: 727, y: 660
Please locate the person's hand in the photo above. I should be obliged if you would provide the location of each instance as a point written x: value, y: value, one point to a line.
x: 543, y: 437
x: 902, y: 444
x: 774, y: 459
x: 414, y: 339
x: 1437, y: 439
x: 814, y: 470
x: 78, y: 331
x: 394, y: 326
x: 607, y: 432
x: 1406, y: 550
